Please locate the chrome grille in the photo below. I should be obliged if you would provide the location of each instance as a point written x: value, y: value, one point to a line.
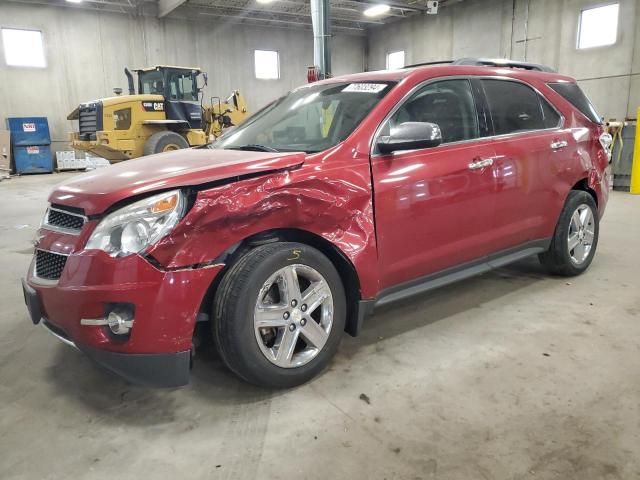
x: 49, y: 265
x: 63, y: 220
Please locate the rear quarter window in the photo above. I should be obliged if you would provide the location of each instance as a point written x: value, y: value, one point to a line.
x: 573, y: 94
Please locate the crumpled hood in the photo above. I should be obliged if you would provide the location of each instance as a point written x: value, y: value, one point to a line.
x: 96, y: 191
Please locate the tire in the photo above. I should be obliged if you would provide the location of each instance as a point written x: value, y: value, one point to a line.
x: 164, y: 142
x: 254, y: 290
x: 560, y: 259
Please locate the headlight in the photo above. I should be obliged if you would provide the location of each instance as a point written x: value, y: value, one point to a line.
x: 139, y: 225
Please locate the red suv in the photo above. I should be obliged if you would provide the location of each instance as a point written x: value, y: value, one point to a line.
x: 343, y: 195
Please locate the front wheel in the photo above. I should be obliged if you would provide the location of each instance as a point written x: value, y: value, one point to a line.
x: 279, y: 314
x: 576, y: 236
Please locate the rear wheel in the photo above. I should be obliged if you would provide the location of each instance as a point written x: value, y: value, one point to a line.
x: 164, y: 142
x: 279, y: 314
x: 576, y: 236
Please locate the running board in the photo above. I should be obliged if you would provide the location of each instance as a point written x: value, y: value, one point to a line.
x: 455, y: 274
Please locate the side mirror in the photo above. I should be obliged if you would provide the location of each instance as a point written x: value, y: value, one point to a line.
x: 205, y: 80
x: 410, y: 136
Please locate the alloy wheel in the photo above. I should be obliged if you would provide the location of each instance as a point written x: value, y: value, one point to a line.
x: 293, y: 316
x: 581, y: 234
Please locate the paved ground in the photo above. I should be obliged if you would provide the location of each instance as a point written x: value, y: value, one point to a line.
x: 506, y: 376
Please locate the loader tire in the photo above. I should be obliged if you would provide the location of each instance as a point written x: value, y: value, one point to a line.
x: 164, y: 142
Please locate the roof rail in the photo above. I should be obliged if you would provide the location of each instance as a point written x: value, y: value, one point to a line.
x: 424, y: 64
x: 502, y: 62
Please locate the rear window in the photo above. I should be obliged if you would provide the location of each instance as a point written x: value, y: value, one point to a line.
x: 576, y: 97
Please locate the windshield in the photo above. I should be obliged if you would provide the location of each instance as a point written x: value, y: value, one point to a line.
x: 309, y: 119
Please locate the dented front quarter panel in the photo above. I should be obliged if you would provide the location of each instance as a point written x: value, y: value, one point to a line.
x: 329, y: 196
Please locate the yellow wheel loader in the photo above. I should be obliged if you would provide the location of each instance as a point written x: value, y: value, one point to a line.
x: 167, y: 113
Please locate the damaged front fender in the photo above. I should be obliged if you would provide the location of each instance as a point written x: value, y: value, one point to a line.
x: 330, y: 199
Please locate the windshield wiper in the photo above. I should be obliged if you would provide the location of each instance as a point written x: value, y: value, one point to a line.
x: 254, y: 147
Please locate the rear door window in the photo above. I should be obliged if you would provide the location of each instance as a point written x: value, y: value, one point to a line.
x: 550, y: 116
x: 516, y: 107
x: 575, y: 96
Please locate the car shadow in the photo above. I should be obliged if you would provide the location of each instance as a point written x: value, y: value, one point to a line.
x: 78, y: 379
x: 442, y: 303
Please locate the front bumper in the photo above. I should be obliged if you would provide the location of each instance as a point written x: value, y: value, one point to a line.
x: 166, y: 305
x: 152, y: 369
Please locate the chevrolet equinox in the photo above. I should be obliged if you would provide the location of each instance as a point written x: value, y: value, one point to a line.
x: 343, y: 195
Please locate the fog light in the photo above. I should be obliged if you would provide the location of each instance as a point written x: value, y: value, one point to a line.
x: 119, y: 320
x: 119, y: 323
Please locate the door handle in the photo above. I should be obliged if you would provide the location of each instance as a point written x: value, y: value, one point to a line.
x: 558, y: 144
x: 480, y: 163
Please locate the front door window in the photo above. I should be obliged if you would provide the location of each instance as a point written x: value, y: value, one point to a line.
x: 448, y: 103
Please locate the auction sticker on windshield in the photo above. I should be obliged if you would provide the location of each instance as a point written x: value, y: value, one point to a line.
x: 365, y: 87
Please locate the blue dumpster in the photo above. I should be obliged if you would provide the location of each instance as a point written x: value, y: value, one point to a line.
x: 30, y: 140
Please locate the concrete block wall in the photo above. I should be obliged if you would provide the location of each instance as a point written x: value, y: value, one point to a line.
x: 496, y: 28
x: 87, y: 51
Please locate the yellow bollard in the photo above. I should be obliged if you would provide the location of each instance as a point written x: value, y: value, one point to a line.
x: 635, y: 164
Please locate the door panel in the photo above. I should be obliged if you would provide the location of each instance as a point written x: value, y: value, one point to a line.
x: 433, y: 206
x: 525, y: 167
x: 188, y: 111
x: 432, y: 211
x: 527, y: 201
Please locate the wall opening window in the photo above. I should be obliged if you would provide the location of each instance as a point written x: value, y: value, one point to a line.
x: 267, y: 64
x: 598, y: 26
x: 395, y: 60
x: 23, y: 48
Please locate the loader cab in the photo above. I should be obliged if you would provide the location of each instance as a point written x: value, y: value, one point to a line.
x: 180, y: 89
